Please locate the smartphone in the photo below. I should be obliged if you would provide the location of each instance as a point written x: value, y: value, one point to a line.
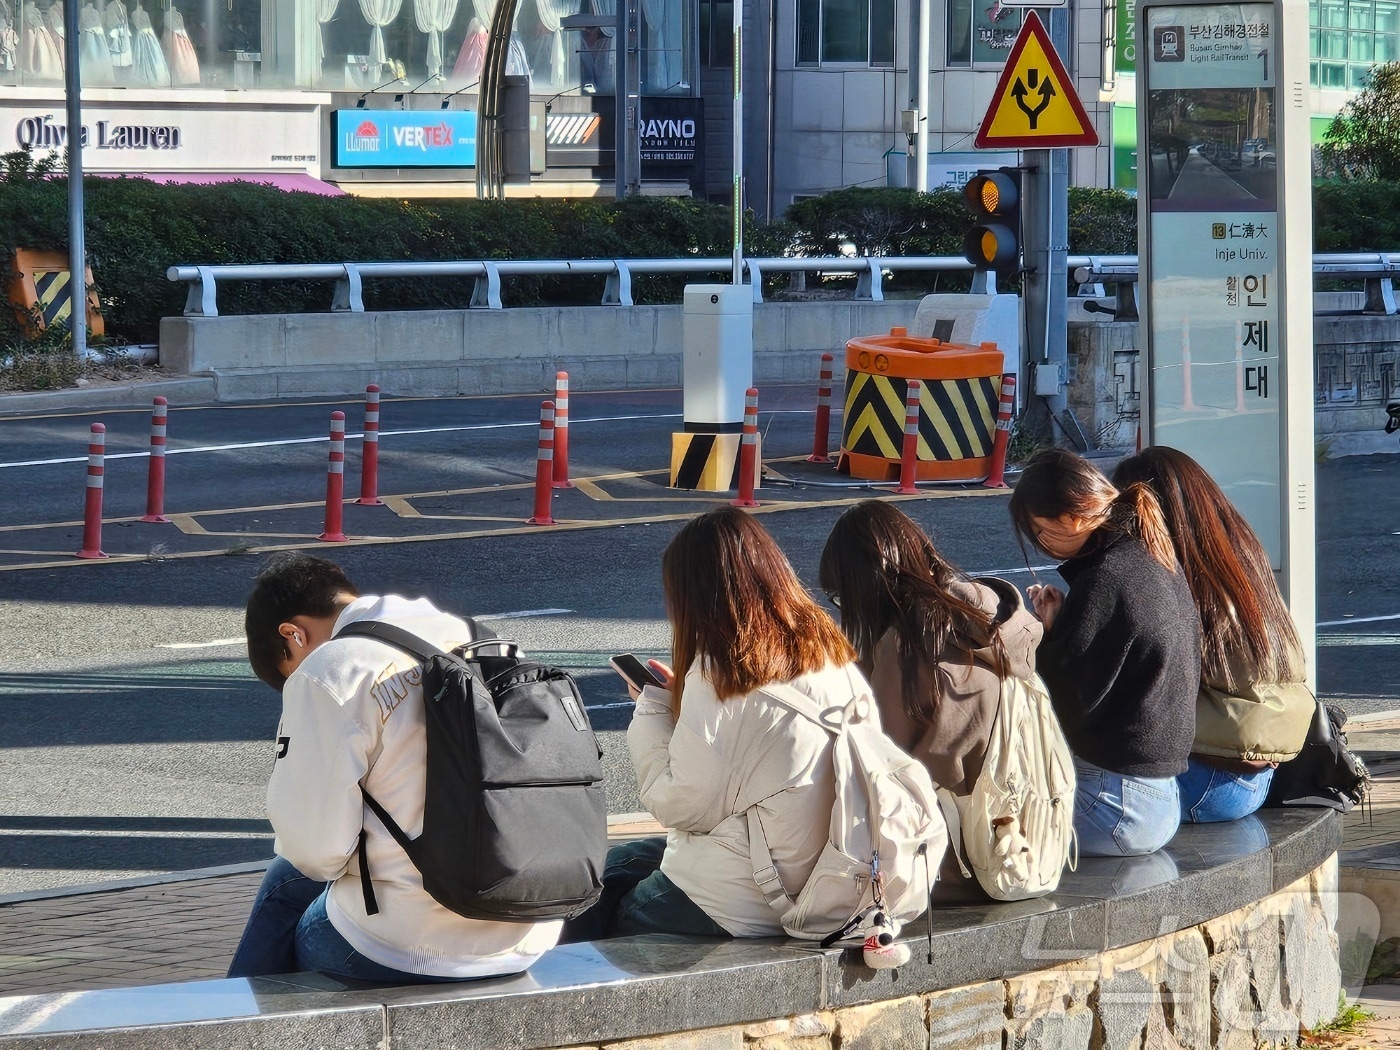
x: 637, y: 673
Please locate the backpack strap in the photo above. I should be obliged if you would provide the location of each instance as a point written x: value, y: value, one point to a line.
x: 765, y: 872
x: 952, y: 816
x: 796, y: 700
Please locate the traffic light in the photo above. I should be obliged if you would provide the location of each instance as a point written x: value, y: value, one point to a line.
x: 994, y: 200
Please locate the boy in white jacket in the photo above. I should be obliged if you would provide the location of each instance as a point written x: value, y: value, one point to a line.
x: 352, y: 715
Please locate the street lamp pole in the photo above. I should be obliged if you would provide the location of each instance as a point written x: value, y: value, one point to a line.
x: 77, y: 250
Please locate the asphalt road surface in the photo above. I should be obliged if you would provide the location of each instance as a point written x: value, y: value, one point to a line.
x: 133, y: 738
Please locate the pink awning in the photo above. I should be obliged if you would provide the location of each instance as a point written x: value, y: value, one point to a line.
x: 282, y: 180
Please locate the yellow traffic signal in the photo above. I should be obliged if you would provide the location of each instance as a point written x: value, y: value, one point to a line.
x: 993, y: 198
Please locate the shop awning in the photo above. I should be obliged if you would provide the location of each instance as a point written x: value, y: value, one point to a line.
x: 282, y: 180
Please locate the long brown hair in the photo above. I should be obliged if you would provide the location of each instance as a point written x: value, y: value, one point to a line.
x: 1057, y: 482
x: 736, y: 605
x: 1243, y: 615
x: 886, y: 573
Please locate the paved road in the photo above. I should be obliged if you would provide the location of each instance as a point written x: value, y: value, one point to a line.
x: 135, y: 740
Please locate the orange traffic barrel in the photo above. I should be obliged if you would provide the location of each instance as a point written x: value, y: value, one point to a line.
x: 957, y: 406
x: 39, y: 290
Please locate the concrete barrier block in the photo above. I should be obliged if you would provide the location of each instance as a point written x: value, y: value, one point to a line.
x: 438, y: 381
x: 606, y: 331
x: 770, y: 326
x: 879, y: 318
x: 317, y: 382
x: 203, y: 344
x: 495, y: 335
x: 591, y: 373
x: 653, y: 371
x: 821, y: 327
x: 425, y: 335
x: 329, y: 339
x: 245, y: 386
x: 505, y: 377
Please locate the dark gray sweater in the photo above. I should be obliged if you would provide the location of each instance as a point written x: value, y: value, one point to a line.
x: 1123, y: 660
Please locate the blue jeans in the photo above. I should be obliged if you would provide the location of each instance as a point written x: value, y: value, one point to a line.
x: 320, y: 947
x: 1209, y: 794
x: 637, y: 898
x: 268, y: 945
x: 288, y: 932
x: 1123, y: 816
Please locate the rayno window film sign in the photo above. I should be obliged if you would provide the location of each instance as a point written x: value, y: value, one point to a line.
x: 395, y: 138
x: 1213, y: 308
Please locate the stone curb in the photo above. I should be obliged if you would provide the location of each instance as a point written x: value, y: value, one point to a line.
x: 187, y: 389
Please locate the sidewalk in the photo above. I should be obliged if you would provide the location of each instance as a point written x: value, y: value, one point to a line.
x: 153, y: 932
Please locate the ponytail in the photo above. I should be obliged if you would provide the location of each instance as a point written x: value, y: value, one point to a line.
x: 1136, y: 512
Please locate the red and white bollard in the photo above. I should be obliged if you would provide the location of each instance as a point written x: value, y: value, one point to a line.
x: 561, y: 431
x: 748, y: 451
x: 821, y: 437
x: 544, y: 467
x: 369, y: 454
x: 910, y: 457
x: 155, y: 472
x: 335, y: 483
x: 92, y: 508
x: 996, y: 477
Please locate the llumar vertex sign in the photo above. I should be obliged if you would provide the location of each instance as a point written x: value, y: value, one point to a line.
x: 1035, y: 105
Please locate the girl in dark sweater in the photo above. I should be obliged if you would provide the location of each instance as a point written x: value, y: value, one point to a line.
x: 1252, y: 711
x: 1121, y: 651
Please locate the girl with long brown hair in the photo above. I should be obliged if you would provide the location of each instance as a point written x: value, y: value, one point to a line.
x: 714, y: 742
x: 934, y: 643
x: 1121, y: 652
x: 1249, y: 645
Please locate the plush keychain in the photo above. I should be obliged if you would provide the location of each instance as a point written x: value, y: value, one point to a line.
x: 1011, y: 846
x: 880, y: 951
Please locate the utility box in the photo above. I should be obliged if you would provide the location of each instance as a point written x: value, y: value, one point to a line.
x: 717, y: 371
x: 718, y: 356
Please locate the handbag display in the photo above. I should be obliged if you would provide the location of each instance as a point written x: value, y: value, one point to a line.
x: 1261, y: 722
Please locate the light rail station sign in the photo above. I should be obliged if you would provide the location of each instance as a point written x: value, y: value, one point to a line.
x: 1035, y: 105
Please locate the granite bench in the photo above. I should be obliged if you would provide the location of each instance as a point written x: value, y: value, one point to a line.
x: 1228, y: 937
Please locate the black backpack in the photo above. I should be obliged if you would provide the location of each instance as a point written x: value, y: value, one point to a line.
x: 514, y: 821
x: 1326, y: 772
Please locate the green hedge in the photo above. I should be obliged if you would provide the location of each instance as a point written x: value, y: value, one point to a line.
x: 136, y: 229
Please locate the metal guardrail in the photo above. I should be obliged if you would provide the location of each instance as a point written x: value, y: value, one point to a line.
x: 1090, y: 274
x: 1376, y: 270
x: 349, y: 278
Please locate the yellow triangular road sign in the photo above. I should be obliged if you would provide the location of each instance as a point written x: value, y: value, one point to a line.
x: 1035, y: 105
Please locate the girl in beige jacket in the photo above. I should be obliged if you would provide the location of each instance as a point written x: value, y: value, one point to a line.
x: 714, y: 743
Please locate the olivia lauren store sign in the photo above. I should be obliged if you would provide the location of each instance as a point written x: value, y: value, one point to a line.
x: 225, y: 138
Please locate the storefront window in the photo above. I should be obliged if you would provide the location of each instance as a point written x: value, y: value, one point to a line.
x: 345, y: 45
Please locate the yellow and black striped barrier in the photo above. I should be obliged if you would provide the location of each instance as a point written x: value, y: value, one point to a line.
x: 957, y: 407
x: 40, y: 289
x: 708, y: 462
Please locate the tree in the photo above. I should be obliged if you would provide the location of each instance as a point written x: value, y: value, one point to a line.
x: 1363, y: 141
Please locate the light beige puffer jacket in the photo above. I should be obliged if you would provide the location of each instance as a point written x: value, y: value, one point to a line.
x: 699, y: 774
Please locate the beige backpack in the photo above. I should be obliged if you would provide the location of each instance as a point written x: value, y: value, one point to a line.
x: 1016, y: 827
x: 887, y: 834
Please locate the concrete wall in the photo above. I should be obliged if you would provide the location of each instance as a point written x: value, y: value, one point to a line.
x: 420, y: 353
x: 414, y: 353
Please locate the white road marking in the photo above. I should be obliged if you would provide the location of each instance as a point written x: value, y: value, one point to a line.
x: 323, y: 438
x: 201, y: 645
x: 1358, y: 619
x: 522, y: 614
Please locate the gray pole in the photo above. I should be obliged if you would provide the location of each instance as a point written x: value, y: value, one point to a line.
x: 77, y: 251
x: 620, y: 78
x: 738, y: 261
